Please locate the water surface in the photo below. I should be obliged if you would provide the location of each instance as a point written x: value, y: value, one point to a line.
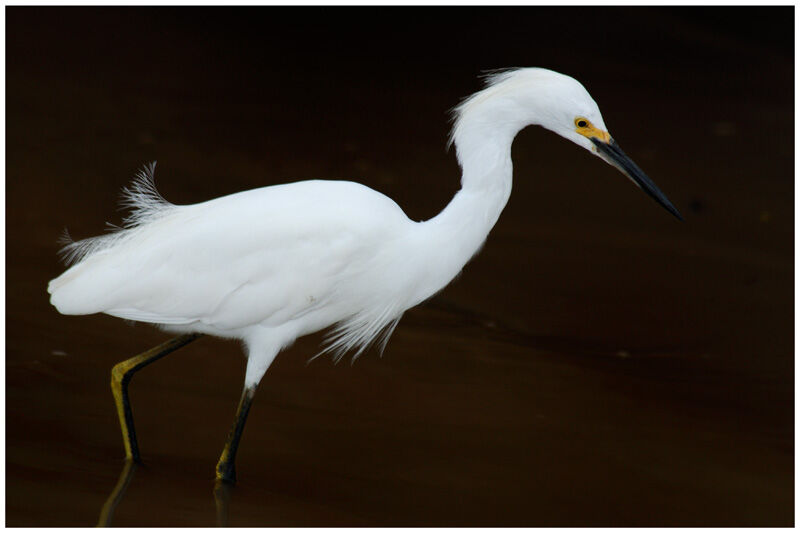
x: 598, y: 364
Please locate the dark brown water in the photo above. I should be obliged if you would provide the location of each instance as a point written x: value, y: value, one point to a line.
x: 598, y: 364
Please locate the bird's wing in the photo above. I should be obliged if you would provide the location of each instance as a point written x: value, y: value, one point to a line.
x: 262, y: 256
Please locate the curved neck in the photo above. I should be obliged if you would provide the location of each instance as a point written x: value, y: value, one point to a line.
x: 485, y: 188
x: 482, y: 136
x: 453, y: 236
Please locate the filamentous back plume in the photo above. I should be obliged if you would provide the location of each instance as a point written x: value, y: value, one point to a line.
x: 145, y: 203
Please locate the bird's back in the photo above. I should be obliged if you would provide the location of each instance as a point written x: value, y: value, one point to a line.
x: 263, y: 256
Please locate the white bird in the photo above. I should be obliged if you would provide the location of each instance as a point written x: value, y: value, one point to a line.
x: 273, y: 264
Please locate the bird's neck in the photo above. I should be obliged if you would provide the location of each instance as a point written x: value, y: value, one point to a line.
x: 472, y: 213
x: 458, y: 232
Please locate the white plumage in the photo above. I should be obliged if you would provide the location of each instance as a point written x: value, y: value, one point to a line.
x: 266, y: 265
x: 272, y: 264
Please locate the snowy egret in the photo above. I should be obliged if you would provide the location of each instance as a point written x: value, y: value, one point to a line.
x: 272, y: 264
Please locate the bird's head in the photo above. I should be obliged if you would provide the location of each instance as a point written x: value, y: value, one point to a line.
x: 535, y: 96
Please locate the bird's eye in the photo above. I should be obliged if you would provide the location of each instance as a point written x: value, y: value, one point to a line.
x: 581, y: 122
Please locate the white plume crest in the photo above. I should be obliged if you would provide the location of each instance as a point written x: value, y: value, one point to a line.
x: 491, y: 78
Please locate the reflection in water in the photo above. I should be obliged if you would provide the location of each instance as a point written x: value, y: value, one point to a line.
x: 222, y: 497
x: 125, y: 477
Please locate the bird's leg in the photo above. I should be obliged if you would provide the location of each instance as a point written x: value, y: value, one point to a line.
x: 121, y: 376
x: 226, y: 467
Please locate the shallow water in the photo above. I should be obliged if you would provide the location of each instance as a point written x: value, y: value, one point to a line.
x: 598, y: 364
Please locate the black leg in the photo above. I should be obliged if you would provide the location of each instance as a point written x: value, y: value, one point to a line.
x: 226, y: 467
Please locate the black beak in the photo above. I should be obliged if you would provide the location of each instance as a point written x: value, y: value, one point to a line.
x: 613, y: 154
